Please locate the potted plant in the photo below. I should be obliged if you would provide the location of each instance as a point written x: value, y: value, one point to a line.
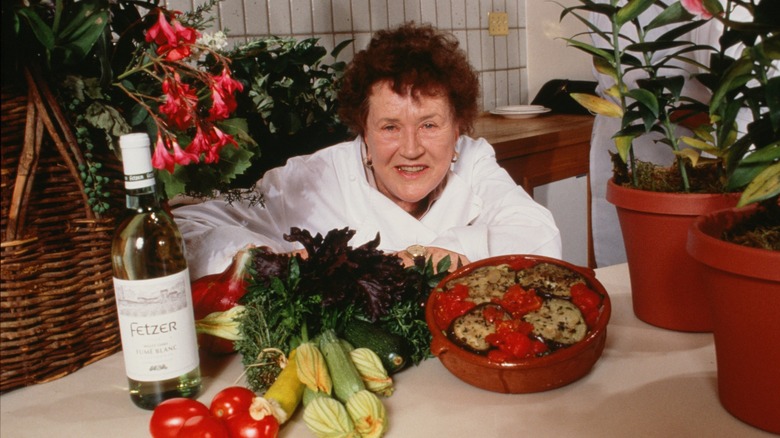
x: 742, y: 133
x: 739, y: 248
x: 645, y: 53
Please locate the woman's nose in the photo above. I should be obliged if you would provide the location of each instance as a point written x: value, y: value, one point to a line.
x: 411, y: 146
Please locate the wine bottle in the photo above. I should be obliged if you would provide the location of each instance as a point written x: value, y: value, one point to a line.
x: 152, y: 287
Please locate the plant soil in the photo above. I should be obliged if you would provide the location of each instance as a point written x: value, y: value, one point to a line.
x: 762, y: 230
x: 706, y: 177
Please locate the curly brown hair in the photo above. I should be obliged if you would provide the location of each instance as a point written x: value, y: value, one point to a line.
x: 413, y: 58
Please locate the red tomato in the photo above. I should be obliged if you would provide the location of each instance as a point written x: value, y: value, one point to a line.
x: 518, y: 344
x: 230, y: 401
x: 242, y: 425
x: 519, y: 301
x: 169, y: 416
x: 203, y: 426
x: 588, y: 302
x: 521, y: 263
x: 452, y: 304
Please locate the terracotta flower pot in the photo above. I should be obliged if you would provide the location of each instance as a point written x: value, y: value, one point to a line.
x: 744, y: 290
x: 665, y: 281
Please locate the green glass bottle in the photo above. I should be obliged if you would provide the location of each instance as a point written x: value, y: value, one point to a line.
x: 152, y: 286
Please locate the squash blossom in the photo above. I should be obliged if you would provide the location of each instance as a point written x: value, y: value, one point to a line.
x: 221, y: 324
x: 371, y: 370
x: 368, y: 414
x: 327, y: 417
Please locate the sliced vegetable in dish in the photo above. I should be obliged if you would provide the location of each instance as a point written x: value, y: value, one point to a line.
x: 514, y: 312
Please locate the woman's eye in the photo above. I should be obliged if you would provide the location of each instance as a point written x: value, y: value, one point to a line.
x: 389, y: 128
x: 428, y: 125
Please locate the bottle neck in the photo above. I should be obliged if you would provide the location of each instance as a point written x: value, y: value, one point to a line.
x: 142, y: 199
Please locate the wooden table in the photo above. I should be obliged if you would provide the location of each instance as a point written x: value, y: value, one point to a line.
x: 541, y: 150
x: 649, y: 382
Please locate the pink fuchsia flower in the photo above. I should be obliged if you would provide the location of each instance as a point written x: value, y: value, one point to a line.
x: 180, y: 103
x: 186, y: 35
x: 219, y: 107
x: 223, y: 95
x: 218, y: 140
x: 162, y: 159
x: 181, y: 156
x: 696, y: 7
x: 161, y: 32
x: 173, y: 39
x: 200, y: 143
x: 227, y: 83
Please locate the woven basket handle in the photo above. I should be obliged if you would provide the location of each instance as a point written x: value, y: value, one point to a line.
x: 40, y: 103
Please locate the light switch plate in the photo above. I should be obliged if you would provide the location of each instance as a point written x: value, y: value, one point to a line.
x: 498, y: 23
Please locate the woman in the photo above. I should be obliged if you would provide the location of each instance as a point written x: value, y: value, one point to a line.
x: 410, y: 175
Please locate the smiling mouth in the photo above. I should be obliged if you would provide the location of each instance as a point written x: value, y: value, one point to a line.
x: 411, y: 169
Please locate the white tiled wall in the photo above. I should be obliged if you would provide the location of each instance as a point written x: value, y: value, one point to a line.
x: 501, y: 61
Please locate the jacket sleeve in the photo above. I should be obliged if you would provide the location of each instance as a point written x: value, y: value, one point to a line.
x: 215, y: 230
x: 509, y: 222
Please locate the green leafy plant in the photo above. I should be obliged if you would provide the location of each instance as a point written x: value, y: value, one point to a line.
x: 131, y: 65
x: 290, y: 101
x: 738, y: 158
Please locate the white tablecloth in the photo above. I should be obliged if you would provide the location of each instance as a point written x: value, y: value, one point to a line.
x: 650, y: 382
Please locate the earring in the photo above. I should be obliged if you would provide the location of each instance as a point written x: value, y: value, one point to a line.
x: 368, y: 162
x: 455, y: 157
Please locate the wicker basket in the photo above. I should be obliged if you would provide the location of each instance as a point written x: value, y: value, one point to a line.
x: 57, y: 310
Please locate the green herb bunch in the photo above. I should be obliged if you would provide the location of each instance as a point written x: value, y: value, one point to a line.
x: 291, y: 300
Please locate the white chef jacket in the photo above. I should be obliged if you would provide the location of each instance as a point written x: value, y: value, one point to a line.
x: 481, y: 212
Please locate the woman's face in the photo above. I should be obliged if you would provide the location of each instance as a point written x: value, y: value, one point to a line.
x: 411, y: 144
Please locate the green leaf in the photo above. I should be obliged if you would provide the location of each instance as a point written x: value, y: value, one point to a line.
x: 339, y: 47
x: 623, y: 144
x: 675, y: 13
x: 41, y: 30
x: 654, y: 46
x: 737, y: 75
x: 83, y: 30
x: 591, y: 49
x: 173, y: 185
x: 765, y: 155
x: 751, y: 165
x: 681, y: 30
x: 764, y: 186
x: 770, y: 47
x: 632, y: 10
x: 773, y: 101
x: 138, y: 114
x: 593, y: 28
x: 646, y: 98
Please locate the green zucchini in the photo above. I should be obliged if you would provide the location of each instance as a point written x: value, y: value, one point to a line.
x: 345, y: 376
x: 392, y: 349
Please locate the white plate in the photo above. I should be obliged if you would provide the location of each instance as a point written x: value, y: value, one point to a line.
x: 520, y: 115
x: 519, y: 109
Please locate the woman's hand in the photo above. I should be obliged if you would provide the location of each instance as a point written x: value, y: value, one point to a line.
x: 456, y: 260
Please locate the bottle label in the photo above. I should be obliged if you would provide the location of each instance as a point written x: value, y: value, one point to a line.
x: 157, y: 326
x: 139, y: 181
